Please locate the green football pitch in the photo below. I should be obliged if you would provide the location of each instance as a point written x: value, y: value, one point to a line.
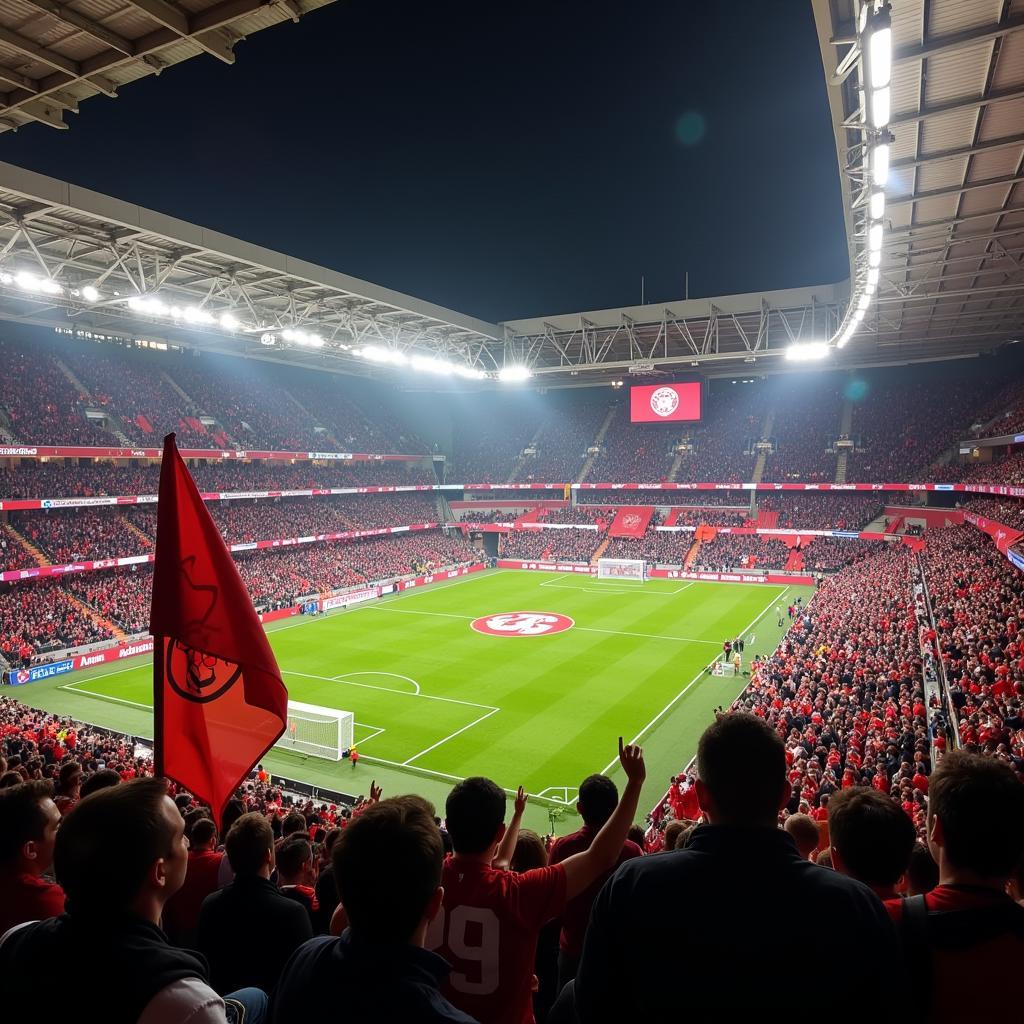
x: 435, y: 700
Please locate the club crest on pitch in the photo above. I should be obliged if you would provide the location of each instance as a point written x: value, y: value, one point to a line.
x: 198, y: 676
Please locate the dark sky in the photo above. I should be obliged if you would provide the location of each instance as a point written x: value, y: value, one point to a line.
x: 505, y: 159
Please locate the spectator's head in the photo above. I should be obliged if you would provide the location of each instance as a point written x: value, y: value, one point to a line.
x: 250, y: 845
x: 673, y: 830
x: 293, y: 822
x: 922, y: 871
x: 475, y: 817
x: 232, y: 812
x: 295, y: 863
x: 824, y: 859
x: 70, y: 779
x: 975, y: 819
x: 387, y: 865
x: 741, y: 772
x: 872, y: 838
x: 28, y: 827
x: 192, y: 818
x: 598, y: 798
x: 529, y: 853
x: 204, y: 835
x: 804, y: 831
x: 122, y: 849
x: 103, y: 779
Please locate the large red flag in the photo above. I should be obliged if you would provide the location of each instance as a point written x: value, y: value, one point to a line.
x: 218, y: 698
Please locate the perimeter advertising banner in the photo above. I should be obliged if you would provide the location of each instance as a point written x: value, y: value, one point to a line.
x: 665, y: 403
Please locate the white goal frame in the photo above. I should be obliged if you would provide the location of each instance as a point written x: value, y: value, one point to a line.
x: 622, y: 569
x: 317, y: 731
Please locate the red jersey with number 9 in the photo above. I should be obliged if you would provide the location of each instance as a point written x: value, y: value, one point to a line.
x: 487, y: 930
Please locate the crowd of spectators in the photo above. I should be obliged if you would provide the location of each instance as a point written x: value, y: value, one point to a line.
x: 637, y: 452
x: 253, y: 520
x: 132, y: 388
x: 978, y: 601
x: 741, y: 551
x: 898, y: 429
x: 41, y: 615
x: 42, y: 405
x: 31, y: 479
x: 1009, y: 511
x: 14, y: 554
x: 805, y: 423
x: 75, y: 534
x: 488, y: 441
x: 813, y: 510
x: 698, y: 515
x: 252, y: 406
x: 568, y: 431
x: 564, y: 545
x: 663, y: 548
x: 721, y: 444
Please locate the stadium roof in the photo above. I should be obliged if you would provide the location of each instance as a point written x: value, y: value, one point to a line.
x: 952, y: 269
x: 70, y: 257
x: 53, y: 54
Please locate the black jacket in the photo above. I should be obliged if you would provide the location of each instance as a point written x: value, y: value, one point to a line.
x: 370, y: 982
x: 247, y: 931
x: 108, y: 967
x: 723, y: 926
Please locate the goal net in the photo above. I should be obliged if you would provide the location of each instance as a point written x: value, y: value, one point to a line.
x: 317, y: 731
x: 621, y: 569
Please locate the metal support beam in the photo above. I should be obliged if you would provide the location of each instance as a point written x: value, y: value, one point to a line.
x: 83, y: 24
x: 972, y: 103
x: 957, y: 40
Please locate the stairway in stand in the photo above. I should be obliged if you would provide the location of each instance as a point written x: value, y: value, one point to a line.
x: 589, y: 462
x: 691, y: 555
x: 132, y: 528
x: 762, y: 458
x: 601, y: 549
x: 101, y: 620
x: 23, y: 542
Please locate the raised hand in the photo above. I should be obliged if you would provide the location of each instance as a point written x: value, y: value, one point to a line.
x: 521, y: 798
x: 375, y: 792
x: 632, y: 760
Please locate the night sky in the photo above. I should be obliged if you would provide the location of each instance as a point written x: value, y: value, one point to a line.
x: 504, y: 159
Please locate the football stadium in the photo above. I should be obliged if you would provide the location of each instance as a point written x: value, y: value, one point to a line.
x: 395, y: 615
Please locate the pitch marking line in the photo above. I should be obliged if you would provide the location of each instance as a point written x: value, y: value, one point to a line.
x: 73, y: 688
x: 668, y: 707
x: 308, y: 620
x: 434, y: 746
x: 388, y: 689
x: 584, y: 629
x: 346, y: 677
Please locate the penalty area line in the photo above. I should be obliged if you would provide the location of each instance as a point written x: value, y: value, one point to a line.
x: 434, y: 746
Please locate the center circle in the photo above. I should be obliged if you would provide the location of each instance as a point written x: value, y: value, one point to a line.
x: 522, y: 624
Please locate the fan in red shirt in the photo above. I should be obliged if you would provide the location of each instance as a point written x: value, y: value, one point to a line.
x: 967, y: 928
x: 489, y: 922
x: 181, y: 911
x: 28, y: 830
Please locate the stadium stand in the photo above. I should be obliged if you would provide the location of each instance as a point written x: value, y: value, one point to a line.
x: 805, y: 420
x: 566, y: 545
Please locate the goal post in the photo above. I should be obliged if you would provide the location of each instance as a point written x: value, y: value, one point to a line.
x: 621, y: 569
x: 317, y: 731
